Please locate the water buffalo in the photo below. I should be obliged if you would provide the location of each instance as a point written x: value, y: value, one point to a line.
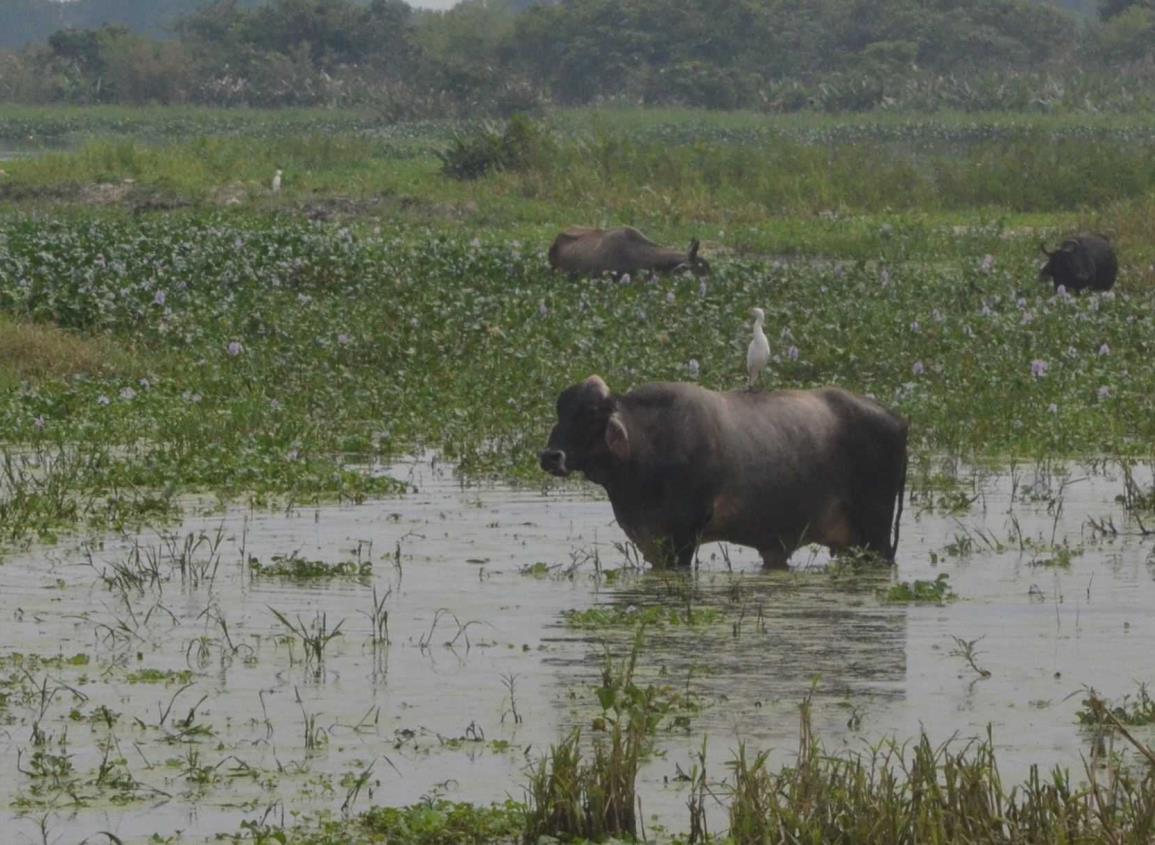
x: 684, y: 465
x: 1084, y: 261
x: 589, y: 252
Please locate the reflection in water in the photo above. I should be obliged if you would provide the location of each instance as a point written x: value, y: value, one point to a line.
x: 218, y: 714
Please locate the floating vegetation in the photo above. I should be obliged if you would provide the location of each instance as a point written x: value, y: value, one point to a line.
x: 630, y: 615
x: 919, y: 591
x: 296, y: 567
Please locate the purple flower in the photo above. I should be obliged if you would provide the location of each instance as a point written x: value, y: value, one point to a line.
x: 39, y: 423
x: 542, y: 310
x: 344, y: 339
x: 670, y: 298
x: 702, y: 288
x: 915, y: 327
x: 1053, y: 408
x: 919, y: 368
x: 1104, y: 350
x: 1021, y: 303
x: 1028, y: 317
x: 693, y: 368
x: 792, y: 353
x: 884, y: 277
x: 102, y: 400
x: 937, y: 315
x: 235, y: 348
x: 1104, y: 392
x: 275, y: 404
x: 127, y: 394
x: 1039, y: 368
x: 1061, y: 290
x: 158, y: 298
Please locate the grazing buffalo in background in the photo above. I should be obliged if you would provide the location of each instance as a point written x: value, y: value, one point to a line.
x: 684, y: 465
x: 1084, y: 261
x: 626, y: 250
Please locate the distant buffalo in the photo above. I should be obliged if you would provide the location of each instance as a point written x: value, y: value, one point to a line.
x: 684, y: 465
x: 590, y: 252
x: 1084, y: 261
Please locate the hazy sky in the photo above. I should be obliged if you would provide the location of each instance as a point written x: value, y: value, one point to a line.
x: 433, y: 4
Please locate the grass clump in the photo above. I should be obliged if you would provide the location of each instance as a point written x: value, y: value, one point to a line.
x: 925, y: 793
x: 919, y: 591
x: 1133, y: 711
x: 36, y: 351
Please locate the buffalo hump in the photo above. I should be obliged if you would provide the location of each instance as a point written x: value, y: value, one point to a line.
x: 684, y: 465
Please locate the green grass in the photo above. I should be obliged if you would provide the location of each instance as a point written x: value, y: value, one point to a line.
x: 424, y: 315
x: 357, y: 343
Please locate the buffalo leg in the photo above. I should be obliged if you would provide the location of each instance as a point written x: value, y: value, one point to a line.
x: 774, y: 557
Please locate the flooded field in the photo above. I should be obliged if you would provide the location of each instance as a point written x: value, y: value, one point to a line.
x: 253, y: 665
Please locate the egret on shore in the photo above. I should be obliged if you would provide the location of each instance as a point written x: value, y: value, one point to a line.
x: 758, y: 353
x: 277, y: 181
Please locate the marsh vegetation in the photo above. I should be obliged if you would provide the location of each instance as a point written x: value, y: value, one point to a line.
x: 234, y: 589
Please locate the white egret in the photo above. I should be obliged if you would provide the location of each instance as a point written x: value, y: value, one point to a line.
x: 758, y: 353
x: 277, y: 181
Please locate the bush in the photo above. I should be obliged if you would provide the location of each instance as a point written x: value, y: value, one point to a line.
x: 486, y: 148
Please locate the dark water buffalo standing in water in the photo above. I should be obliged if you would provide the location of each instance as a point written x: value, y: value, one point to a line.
x: 773, y: 470
x: 1084, y: 261
x: 626, y: 250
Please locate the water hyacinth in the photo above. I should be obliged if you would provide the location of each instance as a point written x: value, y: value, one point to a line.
x: 1039, y: 368
x: 159, y: 298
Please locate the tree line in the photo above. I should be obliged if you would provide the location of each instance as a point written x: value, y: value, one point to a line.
x: 505, y: 56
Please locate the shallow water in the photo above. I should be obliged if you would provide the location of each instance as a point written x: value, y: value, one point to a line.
x: 226, y: 742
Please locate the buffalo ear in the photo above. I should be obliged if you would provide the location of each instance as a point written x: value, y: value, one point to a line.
x: 694, y: 244
x: 617, y: 438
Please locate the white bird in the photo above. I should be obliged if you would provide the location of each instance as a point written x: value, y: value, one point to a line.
x: 758, y: 352
x: 277, y: 182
